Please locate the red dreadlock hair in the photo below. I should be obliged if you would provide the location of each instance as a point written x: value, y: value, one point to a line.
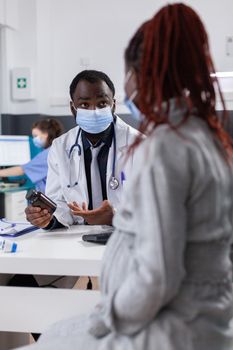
x: 171, y: 57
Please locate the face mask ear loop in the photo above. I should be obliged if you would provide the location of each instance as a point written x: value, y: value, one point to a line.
x: 128, y: 76
x: 133, y: 95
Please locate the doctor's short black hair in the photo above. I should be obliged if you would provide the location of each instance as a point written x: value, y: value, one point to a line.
x: 92, y: 76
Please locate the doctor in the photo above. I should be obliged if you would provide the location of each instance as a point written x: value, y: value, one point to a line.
x: 43, y: 133
x: 86, y: 166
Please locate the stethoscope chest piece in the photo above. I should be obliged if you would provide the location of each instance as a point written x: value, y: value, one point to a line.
x: 113, y: 183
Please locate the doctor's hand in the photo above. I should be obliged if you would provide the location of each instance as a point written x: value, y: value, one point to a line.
x: 37, y: 216
x: 100, y: 216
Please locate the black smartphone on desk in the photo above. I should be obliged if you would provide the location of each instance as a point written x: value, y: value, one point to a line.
x: 39, y: 199
x: 99, y: 238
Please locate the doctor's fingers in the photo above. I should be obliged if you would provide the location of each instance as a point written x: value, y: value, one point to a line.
x: 83, y: 213
x: 36, y: 217
x: 74, y: 205
x: 105, y: 208
x: 41, y: 221
x: 35, y: 212
x: 74, y: 208
x: 83, y: 207
x: 31, y: 210
x: 106, y: 205
x: 76, y: 211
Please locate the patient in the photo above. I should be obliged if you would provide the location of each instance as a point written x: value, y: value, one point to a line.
x: 166, y: 281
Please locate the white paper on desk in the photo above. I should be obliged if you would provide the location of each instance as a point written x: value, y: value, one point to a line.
x: 6, y: 227
x: 7, y: 231
x: 11, y: 227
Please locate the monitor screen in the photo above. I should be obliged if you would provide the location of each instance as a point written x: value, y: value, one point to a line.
x: 14, y: 150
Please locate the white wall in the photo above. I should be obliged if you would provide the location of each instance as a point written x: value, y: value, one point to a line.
x: 19, y: 50
x: 58, y: 38
x: 8, y: 13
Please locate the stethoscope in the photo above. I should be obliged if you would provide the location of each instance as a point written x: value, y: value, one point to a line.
x: 113, y: 182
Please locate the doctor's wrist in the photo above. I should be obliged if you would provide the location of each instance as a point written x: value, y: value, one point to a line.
x: 54, y: 223
x: 50, y: 225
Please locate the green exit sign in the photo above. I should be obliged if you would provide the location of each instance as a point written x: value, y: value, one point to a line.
x: 21, y: 83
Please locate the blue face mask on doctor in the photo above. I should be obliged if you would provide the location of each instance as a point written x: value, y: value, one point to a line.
x: 94, y: 121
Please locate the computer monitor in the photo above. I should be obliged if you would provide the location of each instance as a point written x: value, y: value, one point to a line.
x: 14, y: 150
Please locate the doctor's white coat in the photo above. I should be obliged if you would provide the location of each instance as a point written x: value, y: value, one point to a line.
x: 64, y: 171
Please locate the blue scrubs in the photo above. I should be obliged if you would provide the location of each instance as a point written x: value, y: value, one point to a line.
x: 37, y: 169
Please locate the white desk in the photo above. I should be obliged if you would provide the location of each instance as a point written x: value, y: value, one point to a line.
x: 60, y: 252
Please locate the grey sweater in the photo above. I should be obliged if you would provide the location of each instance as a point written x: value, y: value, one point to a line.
x: 166, y: 280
